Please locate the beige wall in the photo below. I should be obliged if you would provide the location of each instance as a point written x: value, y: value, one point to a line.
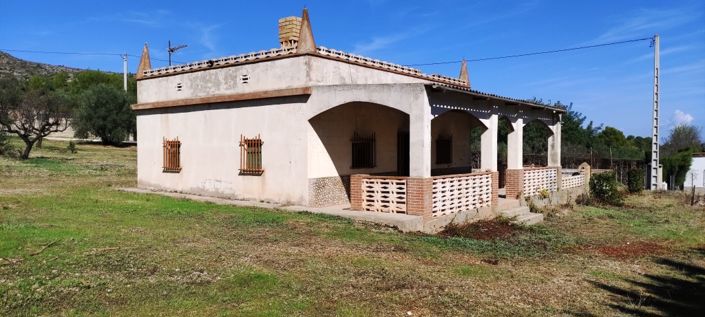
x: 457, y: 124
x: 268, y: 75
x: 330, y: 149
x: 210, y: 154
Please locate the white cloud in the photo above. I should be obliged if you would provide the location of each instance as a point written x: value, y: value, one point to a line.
x: 682, y: 118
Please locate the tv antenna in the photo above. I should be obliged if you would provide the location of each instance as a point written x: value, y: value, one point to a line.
x: 171, y: 50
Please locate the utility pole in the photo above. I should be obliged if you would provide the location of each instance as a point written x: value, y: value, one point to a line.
x: 124, y: 71
x: 171, y: 50
x: 655, y: 163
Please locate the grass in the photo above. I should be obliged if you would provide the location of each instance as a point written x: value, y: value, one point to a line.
x: 70, y: 244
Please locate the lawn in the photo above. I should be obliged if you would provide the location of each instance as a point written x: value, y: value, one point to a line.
x: 73, y: 245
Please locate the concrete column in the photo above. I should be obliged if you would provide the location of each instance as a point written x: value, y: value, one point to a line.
x: 488, y: 141
x: 420, y: 140
x: 515, y: 145
x: 554, y: 145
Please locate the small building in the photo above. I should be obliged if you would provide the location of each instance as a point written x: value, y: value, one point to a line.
x: 308, y: 125
x: 696, y: 175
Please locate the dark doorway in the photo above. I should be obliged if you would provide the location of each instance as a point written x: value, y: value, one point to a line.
x: 403, y: 153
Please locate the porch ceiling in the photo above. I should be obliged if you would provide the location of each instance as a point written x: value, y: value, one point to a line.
x: 478, y: 95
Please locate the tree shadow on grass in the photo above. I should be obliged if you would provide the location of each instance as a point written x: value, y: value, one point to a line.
x: 680, y: 292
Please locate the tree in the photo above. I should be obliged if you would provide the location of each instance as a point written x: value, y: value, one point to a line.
x: 104, y: 111
x: 32, y: 113
x: 682, y: 137
x: 677, y: 153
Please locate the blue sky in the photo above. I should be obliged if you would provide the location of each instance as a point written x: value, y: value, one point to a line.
x: 611, y: 85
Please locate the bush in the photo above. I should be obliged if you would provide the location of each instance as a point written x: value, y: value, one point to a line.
x: 635, y: 180
x: 6, y: 148
x: 605, y: 189
x: 583, y: 199
x: 104, y: 111
x: 72, y: 147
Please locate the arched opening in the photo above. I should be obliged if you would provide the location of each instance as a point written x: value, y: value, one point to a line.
x: 455, y: 143
x: 354, y: 138
x: 535, y: 143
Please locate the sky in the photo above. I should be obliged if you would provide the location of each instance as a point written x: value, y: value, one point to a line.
x: 611, y: 85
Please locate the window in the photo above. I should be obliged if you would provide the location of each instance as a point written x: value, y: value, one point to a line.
x: 251, y: 156
x: 363, y: 151
x: 172, y: 153
x: 444, y: 150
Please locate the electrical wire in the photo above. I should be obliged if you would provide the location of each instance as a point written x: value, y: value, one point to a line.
x: 418, y: 64
x: 534, y: 53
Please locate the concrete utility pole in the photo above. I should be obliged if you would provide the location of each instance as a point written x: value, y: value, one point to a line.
x: 655, y: 163
x: 124, y: 71
x: 171, y: 50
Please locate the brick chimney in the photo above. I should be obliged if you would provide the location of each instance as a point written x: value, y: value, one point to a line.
x: 289, y: 29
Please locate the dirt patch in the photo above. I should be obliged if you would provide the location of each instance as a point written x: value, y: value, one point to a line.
x: 482, y: 230
x: 628, y: 250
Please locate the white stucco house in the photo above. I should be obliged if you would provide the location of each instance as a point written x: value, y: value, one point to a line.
x: 308, y: 125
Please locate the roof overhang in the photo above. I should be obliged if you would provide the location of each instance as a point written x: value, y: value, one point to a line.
x: 279, y: 93
x: 478, y: 95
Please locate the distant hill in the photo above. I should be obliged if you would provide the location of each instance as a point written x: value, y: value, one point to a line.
x: 24, y: 69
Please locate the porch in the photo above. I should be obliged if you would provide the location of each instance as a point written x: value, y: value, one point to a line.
x: 436, y: 157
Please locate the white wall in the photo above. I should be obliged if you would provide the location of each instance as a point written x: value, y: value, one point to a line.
x: 210, y: 158
x: 330, y: 152
x: 697, y: 170
x: 458, y: 125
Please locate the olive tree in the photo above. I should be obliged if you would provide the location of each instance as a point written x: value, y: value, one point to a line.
x: 31, y: 113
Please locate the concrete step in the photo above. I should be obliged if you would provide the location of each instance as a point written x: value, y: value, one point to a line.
x: 513, y: 212
x: 528, y: 219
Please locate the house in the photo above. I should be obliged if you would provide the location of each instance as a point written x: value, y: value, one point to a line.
x: 696, y: 175
x: 308, y: 125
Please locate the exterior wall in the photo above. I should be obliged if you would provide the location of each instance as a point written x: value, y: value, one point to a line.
x: 458, y: 125
x: 330, y: 149
x: 324, y: 71
x: 222, y: 81
x: 299, y: 71
x: 696, y: 174
x: 210, y: 155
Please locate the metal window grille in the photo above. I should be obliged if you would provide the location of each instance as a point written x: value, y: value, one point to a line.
x: 444, y: 150
x: 172, y: 156
x: 363, y: 151
x: 251, y: 156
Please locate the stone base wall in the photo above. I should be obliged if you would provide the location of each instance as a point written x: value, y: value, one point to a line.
x: 328, y: 191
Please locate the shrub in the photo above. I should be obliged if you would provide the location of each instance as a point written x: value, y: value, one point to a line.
x: 6, y: 148
x: 605, y: 189
x: 635, y: 180
x: 72, y: 147
x: 583, y: 199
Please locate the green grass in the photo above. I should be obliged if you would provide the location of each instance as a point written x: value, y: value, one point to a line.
x: 123, y: 254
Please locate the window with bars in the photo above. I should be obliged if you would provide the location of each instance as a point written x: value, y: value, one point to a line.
x: 444, y: 150
x: 363, y: 151
x: 251, y: 156
x: 172, y: 156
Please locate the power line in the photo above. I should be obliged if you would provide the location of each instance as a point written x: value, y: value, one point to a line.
x: 79, y: 53
x: 534, y: 53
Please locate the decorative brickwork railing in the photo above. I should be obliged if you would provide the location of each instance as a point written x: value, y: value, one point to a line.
x: 572, y: 181
x: 455, y: 193
x: 384, y: 194
x: 540, y: 178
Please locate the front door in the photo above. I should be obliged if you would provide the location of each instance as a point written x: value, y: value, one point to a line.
x: 403, y: 153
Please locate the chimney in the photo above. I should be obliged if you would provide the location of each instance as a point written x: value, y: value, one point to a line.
x: 289, y: 29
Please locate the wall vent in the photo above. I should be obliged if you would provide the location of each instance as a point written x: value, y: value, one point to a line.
x: 244, y: 79
x: 179, y: 86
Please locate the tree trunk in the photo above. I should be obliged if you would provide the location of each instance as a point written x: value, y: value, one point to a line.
x: 28, y: 144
